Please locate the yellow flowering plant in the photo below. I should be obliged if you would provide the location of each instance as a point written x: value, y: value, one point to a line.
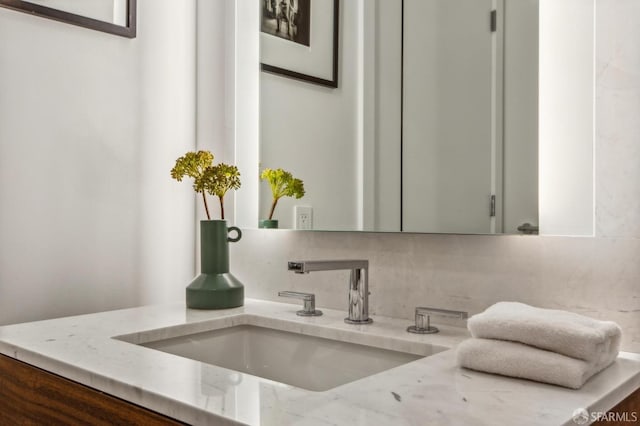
x: 207, y: 178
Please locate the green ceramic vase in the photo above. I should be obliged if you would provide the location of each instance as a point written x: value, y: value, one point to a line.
x: 215, y: 287
x: 268, y: 224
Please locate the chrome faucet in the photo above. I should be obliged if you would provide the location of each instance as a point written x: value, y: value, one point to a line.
x: 358, y: 283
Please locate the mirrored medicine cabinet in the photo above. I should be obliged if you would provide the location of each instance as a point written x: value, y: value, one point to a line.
x: 451, y: 116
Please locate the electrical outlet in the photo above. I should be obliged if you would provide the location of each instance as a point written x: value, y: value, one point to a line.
x: 304, y: 217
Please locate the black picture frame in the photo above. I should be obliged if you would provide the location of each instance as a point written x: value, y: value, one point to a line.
x: 129, y: 30
x: 331, y: 82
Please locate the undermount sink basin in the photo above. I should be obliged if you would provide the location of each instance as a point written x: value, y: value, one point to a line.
x: 307, y: 362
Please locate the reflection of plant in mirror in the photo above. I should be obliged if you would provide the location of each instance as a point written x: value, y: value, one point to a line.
x: 282, y: 184
x: 216, y: 180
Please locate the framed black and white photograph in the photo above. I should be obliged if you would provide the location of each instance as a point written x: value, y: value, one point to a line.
x: 110, y: 16
x: 299, y: 39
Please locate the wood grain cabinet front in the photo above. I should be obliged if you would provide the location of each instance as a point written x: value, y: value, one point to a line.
x: 626, y: 413
x: 31, y: 396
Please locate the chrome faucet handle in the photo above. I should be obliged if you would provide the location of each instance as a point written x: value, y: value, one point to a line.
x: 423, y: 320
x: 309, y: 300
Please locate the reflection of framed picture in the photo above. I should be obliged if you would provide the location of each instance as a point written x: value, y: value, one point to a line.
x: 299, y: 39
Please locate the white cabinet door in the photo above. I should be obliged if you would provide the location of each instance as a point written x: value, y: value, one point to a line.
x: 451, y: 104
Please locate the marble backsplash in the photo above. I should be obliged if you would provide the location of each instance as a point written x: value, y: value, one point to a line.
x: 617, y: 119
x: 598, y: 277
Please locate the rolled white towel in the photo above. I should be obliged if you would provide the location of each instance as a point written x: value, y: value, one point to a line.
x: 566, y: 333
x: 518, y: 360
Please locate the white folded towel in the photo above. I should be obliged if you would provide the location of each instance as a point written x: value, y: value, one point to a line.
x: 522, y: 361
x: 563, y: 332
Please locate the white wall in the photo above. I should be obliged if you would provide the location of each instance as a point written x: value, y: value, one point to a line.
x: 90, y: 125
x: 617, y: 125
x: 246, y: 113
x: 216, y: 91
x: 566, y: 97
x: 167, y: 102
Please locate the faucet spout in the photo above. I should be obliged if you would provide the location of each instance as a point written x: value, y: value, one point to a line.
x: 358, y: 283
x: 306, y: 266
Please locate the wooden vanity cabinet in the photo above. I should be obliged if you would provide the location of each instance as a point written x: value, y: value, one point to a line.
x: 629, y: 405
x: 31, y: 396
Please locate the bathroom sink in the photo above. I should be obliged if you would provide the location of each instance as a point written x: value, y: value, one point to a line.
x: 308, y: 362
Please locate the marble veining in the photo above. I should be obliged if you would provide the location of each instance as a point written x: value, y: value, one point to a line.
x: 617, y: 125
x: 431, y: 390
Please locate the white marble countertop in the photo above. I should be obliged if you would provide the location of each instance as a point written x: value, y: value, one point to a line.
x: 431, y: 390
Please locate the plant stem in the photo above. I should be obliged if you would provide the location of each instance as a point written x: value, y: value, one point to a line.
x: 273, y: 208
x: 221, y: 208
x: 206, y: 207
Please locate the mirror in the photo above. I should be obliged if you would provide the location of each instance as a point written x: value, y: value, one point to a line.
x: 111, y: 16
x: 452, y: 116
